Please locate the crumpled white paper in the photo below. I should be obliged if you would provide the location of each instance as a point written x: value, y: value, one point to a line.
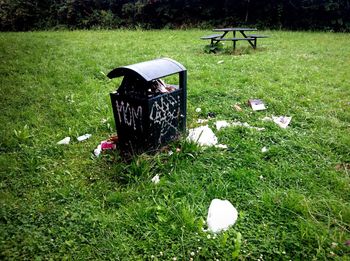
x: 64, y: 141
x: 202, y: 135
x: 221, y: 215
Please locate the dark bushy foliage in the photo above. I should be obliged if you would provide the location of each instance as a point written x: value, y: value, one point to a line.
x: 22, y: 15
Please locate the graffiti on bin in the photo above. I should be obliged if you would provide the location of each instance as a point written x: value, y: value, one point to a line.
x: 164, y: 113
x: 129, y: 115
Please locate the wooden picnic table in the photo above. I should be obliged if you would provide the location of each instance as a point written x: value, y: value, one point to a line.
x: 251, y: 39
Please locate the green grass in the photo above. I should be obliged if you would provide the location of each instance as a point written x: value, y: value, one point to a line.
x: 58, y: 202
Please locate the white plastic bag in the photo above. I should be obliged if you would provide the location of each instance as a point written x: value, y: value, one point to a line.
x: 221, y: 215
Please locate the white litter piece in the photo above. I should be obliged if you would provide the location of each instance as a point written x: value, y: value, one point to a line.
x: 98, y: 150
x: 202, y: 135
x: 84, y: 137
x: 221, y: 146
x: 246, y: 125
x: 221, y: 61
x: 264, y: 149
x: 198, y: 109
x: 257, y: 105
x: 64, y: 141
x: 221, y: 215
x: 222, y: 124
x: 200, y: 121
x: 155, y: 179
x: 266, y: 119
x: 282, y: 121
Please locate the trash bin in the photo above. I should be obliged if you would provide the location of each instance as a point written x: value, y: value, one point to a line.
x: 148, y: 112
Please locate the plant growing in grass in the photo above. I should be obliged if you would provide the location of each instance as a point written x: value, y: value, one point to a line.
x: 214, y: 48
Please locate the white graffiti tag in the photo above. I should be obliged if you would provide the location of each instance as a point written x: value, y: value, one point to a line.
x: 129, y: 115
x: 165, y: 113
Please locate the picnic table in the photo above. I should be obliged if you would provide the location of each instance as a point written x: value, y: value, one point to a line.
x: 216, y: 38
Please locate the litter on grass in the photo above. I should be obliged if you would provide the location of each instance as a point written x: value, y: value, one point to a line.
x: 110, y: 144
x: 222, y: 124
x: 266, y: 119
x: 282, y: 121
x: 264, y: 149
x: 198, y: 110
x: 155, y: 179
x: 237, y: 107
x: 221, y: 146
x: 84, y: 137
x: 202, y: 135
x: 200, y: 121
x: 220, y: 62
x: 221, y: 215
x: 64, y: 141
x: 257, y: 105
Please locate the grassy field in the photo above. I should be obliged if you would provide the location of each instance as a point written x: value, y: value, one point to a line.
x: 59, y: 202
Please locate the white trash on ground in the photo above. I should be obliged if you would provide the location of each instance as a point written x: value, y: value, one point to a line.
x: 155, y: 179
x: 222, y: 124
x: 98, y: 150
x: 245, y: 124
x: 198, y: 109
x: 266, y: 119
x: 256, y: 104
x: 282, y: 121
x: 264, y: 149
x: 202, y: 135
x: 64, y: 141
x: 201, y: 121
x: 221, y: 146
x: 221, y: 215
x: 84, y: 137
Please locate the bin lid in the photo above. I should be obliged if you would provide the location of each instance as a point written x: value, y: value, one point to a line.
x: 149, y: 70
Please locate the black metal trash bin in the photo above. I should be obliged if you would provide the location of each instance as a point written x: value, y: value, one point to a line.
x: 145, y: 119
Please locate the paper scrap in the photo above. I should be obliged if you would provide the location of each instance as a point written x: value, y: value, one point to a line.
x: 84, y: 137
x: 257, y: 105
x: 221, y: 146
x: 222, y: 124
x: 202, y: 135
x: 155, y: 179
x: 264, y: 149
x: 64, y: 141
x: 282, y: 121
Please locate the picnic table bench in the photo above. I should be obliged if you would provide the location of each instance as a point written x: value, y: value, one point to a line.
x: 216, y: 38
